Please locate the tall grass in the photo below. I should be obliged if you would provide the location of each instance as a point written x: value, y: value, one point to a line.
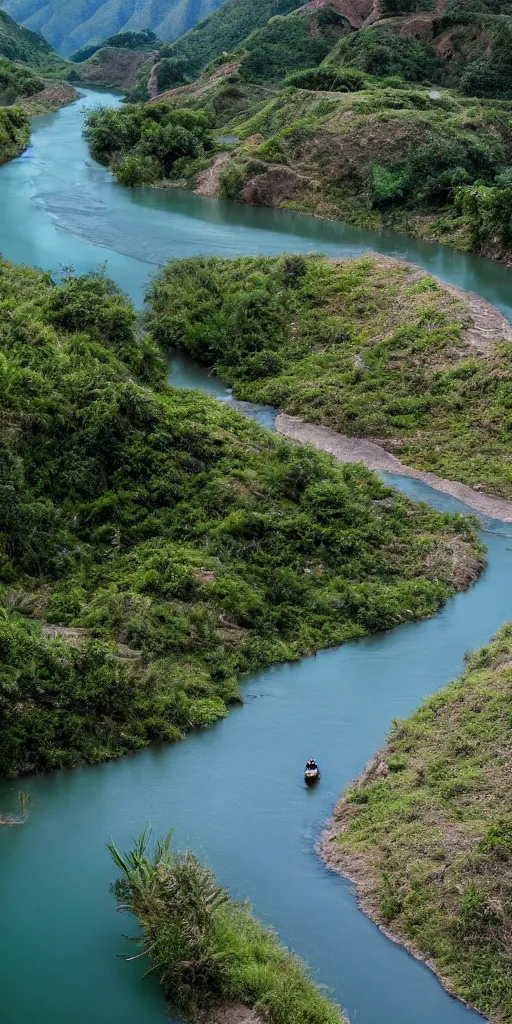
x: 206, y: 948
x: 22, y: 816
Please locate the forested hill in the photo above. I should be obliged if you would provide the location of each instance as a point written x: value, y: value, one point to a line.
x: 73, y: 25
x: 16, y: 43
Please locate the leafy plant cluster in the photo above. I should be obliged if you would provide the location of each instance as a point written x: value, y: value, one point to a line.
x: 488, y: 212
x: 434, y: 831
x: 155, y: 545
x: 144, y: 144
x: 17, y: 81
x: 381, y: 52
x: 14, y: 133
x: 350, y: 345
x: 328, y: 79
x: 207, y: 949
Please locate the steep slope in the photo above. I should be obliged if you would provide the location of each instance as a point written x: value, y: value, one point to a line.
x: 16, y: 43
x: 80, y: 22
x: 224, y: 31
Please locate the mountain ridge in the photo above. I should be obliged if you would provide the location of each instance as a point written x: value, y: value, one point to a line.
x: 82, y: 22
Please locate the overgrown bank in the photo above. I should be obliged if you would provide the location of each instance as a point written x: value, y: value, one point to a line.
x: 369, y: 347
x: 207, y: 949
x: 426, y: 832
x: 155, y: 546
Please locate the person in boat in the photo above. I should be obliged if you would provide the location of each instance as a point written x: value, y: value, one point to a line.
x: 311, y: 765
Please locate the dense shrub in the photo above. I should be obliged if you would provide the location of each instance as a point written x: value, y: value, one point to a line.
x: 328, y: 79
x: 378, y: 51
x: 142, y: 143
x: 14, y: 133
x: 17, y: 81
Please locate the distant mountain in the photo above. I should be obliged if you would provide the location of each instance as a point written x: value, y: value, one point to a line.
x: 78, y: 23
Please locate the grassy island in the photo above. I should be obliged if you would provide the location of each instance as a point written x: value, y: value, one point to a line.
x: 369, y: 347
x: 156, y: 546
x: 426, y: 832
x: 208, y: 950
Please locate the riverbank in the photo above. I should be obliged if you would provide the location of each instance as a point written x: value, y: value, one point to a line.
x: 256, y: 832
x: 54, y: 96
x: 367, y: 348
x: 215, y: 961
x: 425, y: 833
x: 358, y: 449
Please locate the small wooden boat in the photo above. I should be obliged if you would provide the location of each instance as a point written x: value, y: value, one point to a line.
x: 311, y: 775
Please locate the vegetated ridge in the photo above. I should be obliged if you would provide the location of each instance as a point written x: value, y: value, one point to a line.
x: 403, y: 122
x: 369, y: 347
x: 155, y: 545
x: 217, y: 964
x: 426, y: 832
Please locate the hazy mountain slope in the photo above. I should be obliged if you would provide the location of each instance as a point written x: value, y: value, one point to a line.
x: 225, y: 29
x: 79, y: 22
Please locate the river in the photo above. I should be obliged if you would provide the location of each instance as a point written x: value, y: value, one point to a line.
x: 235, y: 792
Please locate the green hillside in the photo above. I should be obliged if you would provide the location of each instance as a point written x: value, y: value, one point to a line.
x: 224, y: 31
x: 79, y: 23
x: 16, y: 43
x: 121, y: 41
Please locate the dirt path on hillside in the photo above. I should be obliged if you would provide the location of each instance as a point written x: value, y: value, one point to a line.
x: 358, y: 449
x: 207, y: 182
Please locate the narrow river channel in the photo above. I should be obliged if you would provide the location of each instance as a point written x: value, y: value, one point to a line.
x: 235, y: 792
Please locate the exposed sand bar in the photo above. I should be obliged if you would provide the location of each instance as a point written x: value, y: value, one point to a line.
x: 358, y: 449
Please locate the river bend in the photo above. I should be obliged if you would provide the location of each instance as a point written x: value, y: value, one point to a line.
x: 257, y: 829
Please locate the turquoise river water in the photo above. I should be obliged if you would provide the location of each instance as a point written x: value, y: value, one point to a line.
x: 60, y: 933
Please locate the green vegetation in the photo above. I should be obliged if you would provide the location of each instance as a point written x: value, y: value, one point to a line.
x: 120, y: 41
x: 17, y: 81
x: 380, y: 52
x: 427, y: 832
x: 155, y: 545
x: 206, y: 948
x: 18, y: 44
x: 362, y: 346
x: 28, y: 67
x: 14, y: 133
x: 224, y: 31
x: 146, y: 143
x: 287, y: 44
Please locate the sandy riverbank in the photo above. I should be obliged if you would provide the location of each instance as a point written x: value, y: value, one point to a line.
x: 359, y: 449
